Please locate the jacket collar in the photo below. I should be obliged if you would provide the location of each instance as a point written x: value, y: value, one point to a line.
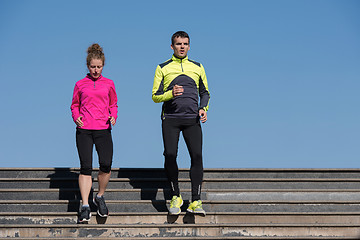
x: 174, y: 58
x: 93, y: 79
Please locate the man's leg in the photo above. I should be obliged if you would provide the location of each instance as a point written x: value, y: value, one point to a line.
x: 193, y: 138
x: 171, y: 132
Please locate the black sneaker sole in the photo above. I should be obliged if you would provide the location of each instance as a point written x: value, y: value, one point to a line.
x: 104, y: 216
x: 85, y: 219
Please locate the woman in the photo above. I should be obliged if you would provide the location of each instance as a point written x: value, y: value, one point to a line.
x: 94, y: 110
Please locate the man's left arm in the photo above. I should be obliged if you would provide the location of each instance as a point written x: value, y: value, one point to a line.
x: 204, y: 95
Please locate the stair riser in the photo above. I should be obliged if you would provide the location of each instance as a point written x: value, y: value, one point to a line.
x: 187, y: 218
x: 162, y: 207
x: 285, y: 196
x: 123, y: 173
x: 75, y: 195
x: 255, y: 212
x: 154, y: 232
x: 160, y: 195
x: 186, y: 185
x: 205, y: 238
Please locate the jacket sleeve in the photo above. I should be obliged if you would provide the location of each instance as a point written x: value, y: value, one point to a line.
x: 203, y: 90
x: 75, y: 104
x: 159, y: 94
x: 113, y: 101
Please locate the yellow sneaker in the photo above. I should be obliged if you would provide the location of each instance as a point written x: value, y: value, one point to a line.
x: 175, y: 205
x: 196, y: 207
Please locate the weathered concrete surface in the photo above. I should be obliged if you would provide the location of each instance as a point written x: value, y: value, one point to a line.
x: 241, y: 204
x: 162, y: 206
x: 174, y: 230
x: 285, y: 196
x: 207, y: 194
x: 184, y: 173
x: 163, y: 218
x: 210, y: 183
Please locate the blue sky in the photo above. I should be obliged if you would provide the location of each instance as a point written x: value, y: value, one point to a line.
x: 284, y: 79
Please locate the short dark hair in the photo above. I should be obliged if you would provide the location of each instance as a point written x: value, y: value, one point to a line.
x: 181, y: 34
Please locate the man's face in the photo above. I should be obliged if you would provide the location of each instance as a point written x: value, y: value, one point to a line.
x: 181, y: 46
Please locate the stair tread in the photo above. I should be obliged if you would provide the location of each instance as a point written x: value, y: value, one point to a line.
x: 304, y: 202
x: 183, y: 213
x: 183, y: 190
x: 183, y: 225
x: 187, y: 169
x: 194, y: 238
x: 188, y: 180
x: 204, y: 201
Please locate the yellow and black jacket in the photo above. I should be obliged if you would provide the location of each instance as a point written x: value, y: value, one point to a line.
x: 188, y: 74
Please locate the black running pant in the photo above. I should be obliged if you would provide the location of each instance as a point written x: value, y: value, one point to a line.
x: 191, y: 130
x: 85, y: 140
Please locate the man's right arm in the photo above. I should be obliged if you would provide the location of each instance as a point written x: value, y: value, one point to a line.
x: 159, y: 94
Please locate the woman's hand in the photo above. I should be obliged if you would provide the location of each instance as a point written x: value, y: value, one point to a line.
x: 112, y: 120
x: 79, y: 121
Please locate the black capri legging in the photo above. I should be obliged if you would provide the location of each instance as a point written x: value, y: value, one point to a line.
x: 85, y: 140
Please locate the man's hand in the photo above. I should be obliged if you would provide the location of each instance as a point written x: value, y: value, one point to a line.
x: 203, y: 115
x: 79, y: 121
x: 112, y: 120
x: 177, y: 90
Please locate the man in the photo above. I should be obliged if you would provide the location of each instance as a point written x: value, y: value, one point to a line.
x: 178, y: 83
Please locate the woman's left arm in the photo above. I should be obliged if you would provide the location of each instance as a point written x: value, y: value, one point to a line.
x: 113, y: 104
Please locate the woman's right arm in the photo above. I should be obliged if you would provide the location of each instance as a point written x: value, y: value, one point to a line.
x: 75, y: 104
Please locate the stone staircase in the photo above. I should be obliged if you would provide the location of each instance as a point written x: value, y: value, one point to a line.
x: 42, y: 203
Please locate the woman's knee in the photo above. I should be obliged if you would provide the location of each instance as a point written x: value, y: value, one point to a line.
x: 105, y: 167
x: 86, y: 171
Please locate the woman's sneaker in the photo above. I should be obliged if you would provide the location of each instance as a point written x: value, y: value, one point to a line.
x: 85, y: 214
x: 175, y: 205
x: 196, y: 207
x: 102, y: 209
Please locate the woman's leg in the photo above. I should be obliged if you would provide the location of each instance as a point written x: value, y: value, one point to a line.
x: 103, y: 179
x: 85, y: 184
x: 84, y: 143
x: 104, y: 148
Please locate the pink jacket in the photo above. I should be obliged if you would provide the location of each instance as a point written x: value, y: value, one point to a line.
x: 95, y: 101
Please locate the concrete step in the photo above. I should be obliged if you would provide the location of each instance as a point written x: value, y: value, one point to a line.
x: 162, y: 218
x: 200, y: 238
x: 157, y: 231
x: 208, y: 194
x: 183, y: 173
x: 43, y: 203
x: 162, y: 183
x: 161, y: 206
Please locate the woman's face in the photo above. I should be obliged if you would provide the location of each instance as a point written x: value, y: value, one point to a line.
x: 95, y: 68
